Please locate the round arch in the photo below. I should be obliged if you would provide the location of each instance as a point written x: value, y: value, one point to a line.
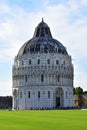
x: 59, y: 97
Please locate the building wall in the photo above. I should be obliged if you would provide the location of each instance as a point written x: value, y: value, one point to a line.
x: 27, y: 73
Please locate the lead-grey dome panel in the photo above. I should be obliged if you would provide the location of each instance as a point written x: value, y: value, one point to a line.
x: 42, y: 41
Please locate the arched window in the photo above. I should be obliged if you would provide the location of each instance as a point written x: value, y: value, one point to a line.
x: 20, y: 94
x: 42, y: 49
x: 29, y: 94
x: 57, y: 62
x: 38, y: 61
x: 25, y: 78
x: 38, y: 32
x: 29, y: 61
x: 48, y: 94
x: 22, y: 62
x: 64, y: 62
x: 56, y: 49
x: 38, y: 94
x: 46, y: 31
x: 42, y: 32
x: 58, y: 78
x: 42, y: 78
x: 48, y: 61
x: 66, y: 94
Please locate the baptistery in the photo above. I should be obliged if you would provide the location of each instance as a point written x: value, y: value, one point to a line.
x: 42, y: 73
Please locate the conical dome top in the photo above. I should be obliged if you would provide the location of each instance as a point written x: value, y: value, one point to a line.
x: 42, y: 30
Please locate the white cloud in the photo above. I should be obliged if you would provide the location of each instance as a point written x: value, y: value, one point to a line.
x: 4, y: 8
x: 80, y: 78
x: 84, y: 2
x: 5, y: 88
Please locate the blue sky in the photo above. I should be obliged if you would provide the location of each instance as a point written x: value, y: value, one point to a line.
x: 67, y: 20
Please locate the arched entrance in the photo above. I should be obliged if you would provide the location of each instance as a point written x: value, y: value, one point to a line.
x: 59, y: 98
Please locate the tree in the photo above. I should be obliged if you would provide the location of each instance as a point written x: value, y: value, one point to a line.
x: 78, y: 90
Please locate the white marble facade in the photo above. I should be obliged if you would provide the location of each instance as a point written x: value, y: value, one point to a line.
x: 42, y: 80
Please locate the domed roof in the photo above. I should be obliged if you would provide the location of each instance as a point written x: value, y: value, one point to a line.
x: 42, y: 41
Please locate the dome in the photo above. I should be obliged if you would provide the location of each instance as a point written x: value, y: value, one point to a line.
x: 42, y: 41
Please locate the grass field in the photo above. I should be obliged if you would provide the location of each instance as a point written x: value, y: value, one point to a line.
x: 43, y: 120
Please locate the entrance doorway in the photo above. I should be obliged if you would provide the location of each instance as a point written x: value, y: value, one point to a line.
x: 58, y: 97
x: 57, y: 102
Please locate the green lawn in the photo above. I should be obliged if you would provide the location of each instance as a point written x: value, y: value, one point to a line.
x: 43, y: 120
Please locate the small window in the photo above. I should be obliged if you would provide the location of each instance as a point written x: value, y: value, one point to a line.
x: 58, y: 78
x: 25, y: 78
x: 38, y: 62
x: 48, y: 61
x: 38, y: 94
x: 42, y: 48
x: 38, y: 33
x: 42, y: 78
x: 20, y: 94
x: 66, y: 94
x: 57, y: 62
x: 22, y: 62
x: 49, y: 32
x: 29, y: 94
x: 48, y: 94
x: 64, y: 62
x: 29, y: 61
x: 42, y: 32
x: 56, y: 49
x: 46, y: 31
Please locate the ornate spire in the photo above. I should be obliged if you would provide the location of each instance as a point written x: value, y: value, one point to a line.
x: 42, y: 20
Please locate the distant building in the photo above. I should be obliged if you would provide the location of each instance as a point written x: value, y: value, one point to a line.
x: 42, y: 73
x: 5, y: 102
x: 80, y: 100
